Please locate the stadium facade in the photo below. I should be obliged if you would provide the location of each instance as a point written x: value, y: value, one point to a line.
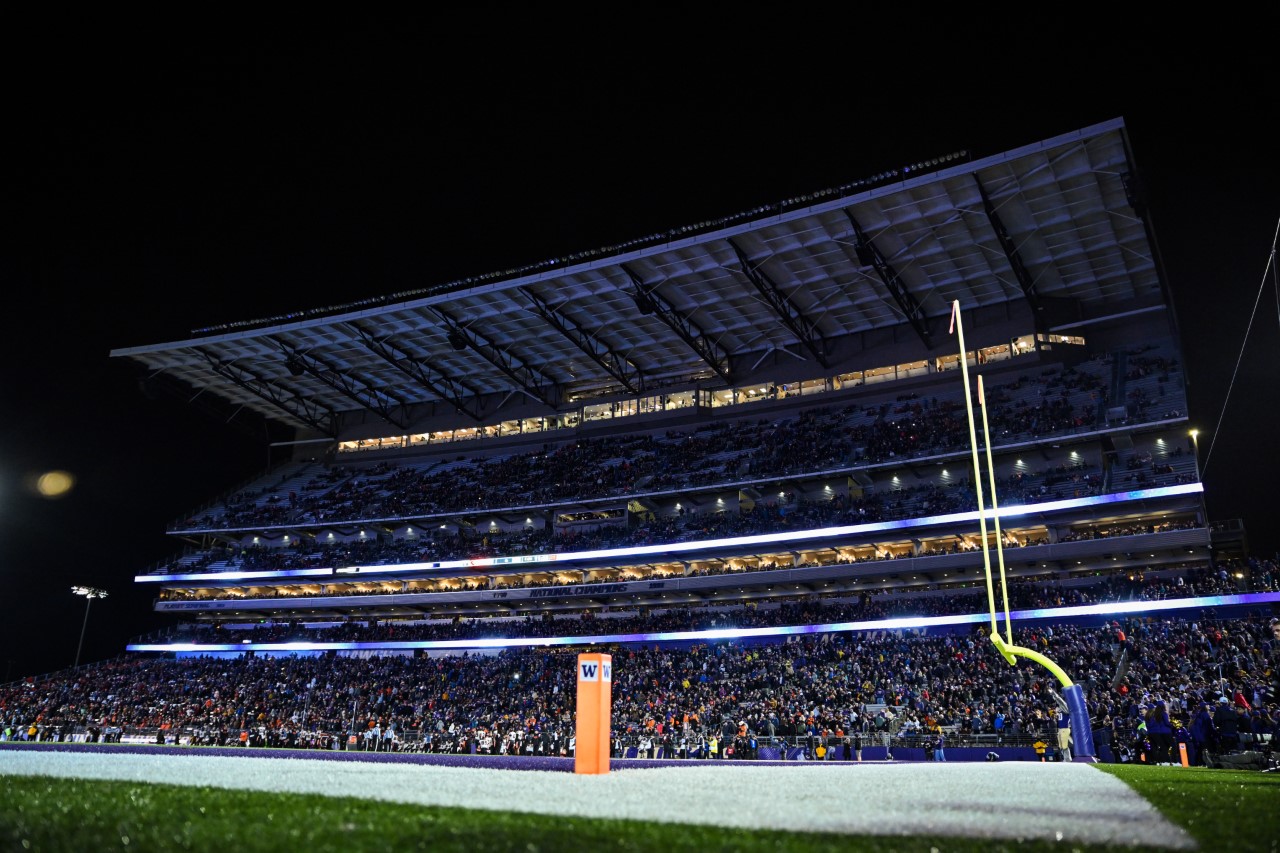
x: 757, y: 408
x: 735, y: 456
x: 763, y: 409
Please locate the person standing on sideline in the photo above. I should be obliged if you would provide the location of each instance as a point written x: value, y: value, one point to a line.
x: 1204, y: 735
x: 1160, y: 730
x: 1064, y: 735
x: 1063, y: 718
x: 1274, y: 625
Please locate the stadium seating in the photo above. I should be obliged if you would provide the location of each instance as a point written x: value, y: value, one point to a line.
x: 1057, y: 402
x: 885, y: 687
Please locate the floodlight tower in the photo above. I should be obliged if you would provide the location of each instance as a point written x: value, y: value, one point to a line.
x: 89, y: 593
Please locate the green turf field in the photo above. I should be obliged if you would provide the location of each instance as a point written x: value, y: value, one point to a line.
x: 1223, y: 810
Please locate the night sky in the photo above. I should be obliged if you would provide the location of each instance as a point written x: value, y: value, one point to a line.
x: 158, y: 190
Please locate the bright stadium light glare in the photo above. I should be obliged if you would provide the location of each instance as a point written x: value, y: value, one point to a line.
x: 1075, y: 611
x: 54, y: 484
x: 1012, y: 511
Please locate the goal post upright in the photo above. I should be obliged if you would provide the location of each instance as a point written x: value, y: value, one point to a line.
x: 995, y: 508
x: 1072, y: 694
x: 957, y: 326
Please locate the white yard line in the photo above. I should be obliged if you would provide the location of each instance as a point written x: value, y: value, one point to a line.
x: 1008, y: 800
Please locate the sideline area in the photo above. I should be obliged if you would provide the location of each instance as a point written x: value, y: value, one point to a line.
x: 1013, y: 800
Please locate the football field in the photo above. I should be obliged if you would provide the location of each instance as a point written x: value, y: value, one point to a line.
x: 64, y: 799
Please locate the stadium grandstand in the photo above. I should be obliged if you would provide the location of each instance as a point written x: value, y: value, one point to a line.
x: 735, y: 455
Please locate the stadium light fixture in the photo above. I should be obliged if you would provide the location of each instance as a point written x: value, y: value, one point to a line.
x: 1195, y: 449
x: 89, y: 593
x: 1013, y: 511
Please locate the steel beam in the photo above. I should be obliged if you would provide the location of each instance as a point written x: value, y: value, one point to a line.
x: 248, y: 421
x: 421, y: 371
x: 647, y: 296
x: 869, y: 255
x: 1011, y: 254
x: 315, y: 415
x: 360, y: 391
x: 805, y: 330
x: 584, y: 339
x: 526, y: 377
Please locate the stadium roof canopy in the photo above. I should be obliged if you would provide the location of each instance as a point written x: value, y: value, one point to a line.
x: 1052, y: 221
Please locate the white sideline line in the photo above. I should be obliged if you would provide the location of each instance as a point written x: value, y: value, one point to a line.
x: 1007, y: 800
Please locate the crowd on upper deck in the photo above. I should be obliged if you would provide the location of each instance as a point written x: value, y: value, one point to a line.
x: 375, y: 554
x: 788, y: 511
x: 829, y: 438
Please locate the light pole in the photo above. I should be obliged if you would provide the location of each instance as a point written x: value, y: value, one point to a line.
x: 89, y: 593
x: 1195, y: 450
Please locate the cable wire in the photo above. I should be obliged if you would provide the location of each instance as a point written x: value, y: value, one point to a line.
x: 1271, y: 260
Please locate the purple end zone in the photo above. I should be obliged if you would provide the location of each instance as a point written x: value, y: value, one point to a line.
x: 506, y: 762
x: 503, y: 762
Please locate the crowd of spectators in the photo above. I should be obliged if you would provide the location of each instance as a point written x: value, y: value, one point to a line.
x: 523, y: 582
x: 818, y: 685
x: 788, y: 512
x: 1058, y: 400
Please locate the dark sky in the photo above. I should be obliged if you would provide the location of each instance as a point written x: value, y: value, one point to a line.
x: 158, y: 190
